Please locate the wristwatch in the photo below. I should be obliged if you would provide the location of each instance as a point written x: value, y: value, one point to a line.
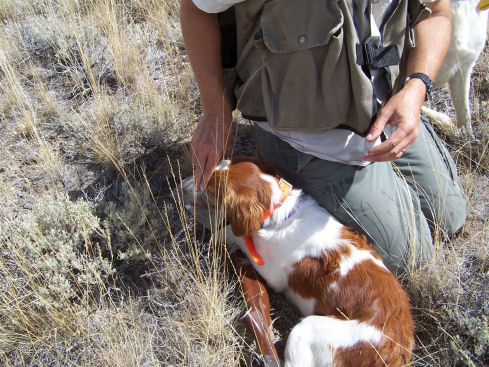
x: 426, y: 80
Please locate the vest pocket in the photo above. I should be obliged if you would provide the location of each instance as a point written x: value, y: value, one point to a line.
x: 305, y: 75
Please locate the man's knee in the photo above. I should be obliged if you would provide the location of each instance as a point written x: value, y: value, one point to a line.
x: 452, y: 217
x: 393, y: 223
x: 436, y: 181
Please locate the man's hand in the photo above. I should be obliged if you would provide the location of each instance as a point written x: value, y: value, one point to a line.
x: 213, y: 136
x: 403, y: 111
x: 212, y: 139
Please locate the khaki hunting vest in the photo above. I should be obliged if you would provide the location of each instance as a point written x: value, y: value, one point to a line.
x: 301, y: 66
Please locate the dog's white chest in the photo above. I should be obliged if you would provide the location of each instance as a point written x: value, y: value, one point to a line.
x: 274, y: 273
x: 312, y: 231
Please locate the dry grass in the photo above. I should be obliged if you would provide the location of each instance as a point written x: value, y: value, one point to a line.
x: 100, y: 264
x: 70, y: 295
x: 89, y: 88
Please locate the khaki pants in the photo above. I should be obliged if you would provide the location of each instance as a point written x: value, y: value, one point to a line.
x: 396, y: 204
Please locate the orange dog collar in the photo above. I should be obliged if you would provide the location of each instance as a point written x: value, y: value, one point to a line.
x: 285, y: 187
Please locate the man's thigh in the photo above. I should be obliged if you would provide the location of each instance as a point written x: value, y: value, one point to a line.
x: 373, y: 200
x: 432, y: 174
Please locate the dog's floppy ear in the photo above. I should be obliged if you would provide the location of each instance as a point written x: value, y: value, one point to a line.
x: 216, y: 187
x: 244, y: 213
x: 243, y: 195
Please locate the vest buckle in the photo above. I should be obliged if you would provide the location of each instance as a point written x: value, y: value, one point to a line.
x: 377, y: 57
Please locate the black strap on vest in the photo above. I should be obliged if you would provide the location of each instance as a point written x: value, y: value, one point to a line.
x: 377, y: 57
x: 229, y: 46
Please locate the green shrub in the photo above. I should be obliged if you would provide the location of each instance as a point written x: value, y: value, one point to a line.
x: 471, y: 344
x: 55, y: 251
x: 116, y: 130
x: 135, y: 224
x: 71, y: 54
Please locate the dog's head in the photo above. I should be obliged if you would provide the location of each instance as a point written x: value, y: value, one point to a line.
x: 240, y: 188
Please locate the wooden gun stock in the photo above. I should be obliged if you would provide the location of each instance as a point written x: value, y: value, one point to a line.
x: 258, y: 315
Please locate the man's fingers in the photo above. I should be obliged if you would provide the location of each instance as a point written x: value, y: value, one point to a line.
x: 378, y: 125
x: 203, y: 155
x: 198, y: 169
x: 392, y: 148
x: 211, y: 140
x: 388, y: 145
x: 390, y: 156
x: 204, y: 159
x: 209, y: 168
x: 374, y: 132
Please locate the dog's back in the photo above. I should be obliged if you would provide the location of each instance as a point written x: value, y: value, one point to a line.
x: 366, y: 315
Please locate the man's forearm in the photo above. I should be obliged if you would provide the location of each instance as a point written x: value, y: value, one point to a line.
x: 432, y: 37
x: 202, y: 38
x: 403, y: 108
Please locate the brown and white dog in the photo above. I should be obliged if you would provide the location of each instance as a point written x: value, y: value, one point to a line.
x: 356, y: 311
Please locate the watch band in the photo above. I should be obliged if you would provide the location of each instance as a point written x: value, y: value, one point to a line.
x: 426, y: 80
